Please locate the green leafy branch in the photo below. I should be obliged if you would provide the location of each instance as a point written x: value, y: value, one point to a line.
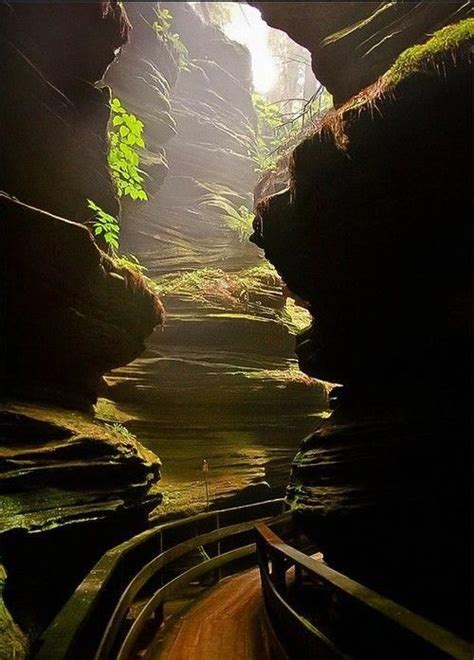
x: 105, y: 225
x: 108, y: 227
x: 126, y: 137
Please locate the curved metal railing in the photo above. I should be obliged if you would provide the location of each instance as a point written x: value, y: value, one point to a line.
x: 375, y: 626
x: 92, y: 623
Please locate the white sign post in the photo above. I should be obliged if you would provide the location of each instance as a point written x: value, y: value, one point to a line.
x: 205, y: 469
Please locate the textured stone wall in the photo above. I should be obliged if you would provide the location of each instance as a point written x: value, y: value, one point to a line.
x: 374, y: 231
x: 68, y: 313
x: 54, y: 116
x: 69, y: 488
x: 353, y: 43
x: 202, y: 115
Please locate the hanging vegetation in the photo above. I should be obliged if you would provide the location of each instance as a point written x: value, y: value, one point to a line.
x: 126, y: 138
x: 105, y: 225
x: 277, y: 131
x: 162, y: 27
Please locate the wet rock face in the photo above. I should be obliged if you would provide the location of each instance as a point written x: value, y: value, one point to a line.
x: 65, y: 483
x: 202, y: 115
x: 69, y: 315
x: 49, y: 456
x: 54, y: 118
x: 353, y: 43
x: 374, y: 232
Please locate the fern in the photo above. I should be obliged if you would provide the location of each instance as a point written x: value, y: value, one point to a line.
x: 121, y: 431
x: 131, y: 262
x: 238, y: 219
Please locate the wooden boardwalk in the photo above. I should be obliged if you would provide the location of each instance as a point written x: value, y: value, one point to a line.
x: 227, y: 623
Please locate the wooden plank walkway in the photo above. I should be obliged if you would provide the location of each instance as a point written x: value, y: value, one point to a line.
x: 227, y: 623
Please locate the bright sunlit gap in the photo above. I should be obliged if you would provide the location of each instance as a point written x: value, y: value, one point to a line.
x: 247, y: 27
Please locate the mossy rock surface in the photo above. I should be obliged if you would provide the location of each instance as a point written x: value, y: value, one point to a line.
x: 59, y: 467
x: 70, y: 488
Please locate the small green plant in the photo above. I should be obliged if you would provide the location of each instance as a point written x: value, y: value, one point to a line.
x: 105, y: 225
x: 162, y: 27
x: 238, y: 219
x: 131, y: 262
x: 126, y: 138
x: 120, y: 430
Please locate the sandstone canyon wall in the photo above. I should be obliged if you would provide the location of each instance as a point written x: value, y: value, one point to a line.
x: 227, y: 349
x: 69, y: 487
x: 374, y: 233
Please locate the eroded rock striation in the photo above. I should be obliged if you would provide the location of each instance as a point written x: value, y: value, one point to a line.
x: 353, y: 43
x: 374, y: 231
x: 54, y: 116
x: 227, y: 349
x: 199, y: 106
x: 69, y: 488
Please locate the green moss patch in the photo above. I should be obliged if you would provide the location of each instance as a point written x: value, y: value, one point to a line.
x: 255, y: 293
x: 213, y: 285
x: 444, y: 41
x: 444, y: 44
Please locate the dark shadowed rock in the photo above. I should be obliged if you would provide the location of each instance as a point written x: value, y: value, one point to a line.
x: 69, y: 488
x: 363, y: 233
x: 54, y: 118
x: 353, y: 43
x: 375, y: 232
x: 68, y: 314
x: 13, y: 643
